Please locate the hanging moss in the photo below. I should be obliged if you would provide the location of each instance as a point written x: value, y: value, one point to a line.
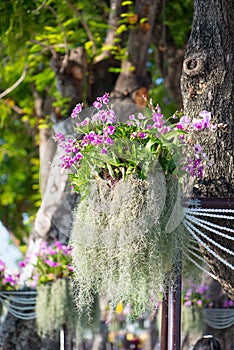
x: 55, y: 307
x: 121, y: 245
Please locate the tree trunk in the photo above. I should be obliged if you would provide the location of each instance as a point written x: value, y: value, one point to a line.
x: 207, y: 84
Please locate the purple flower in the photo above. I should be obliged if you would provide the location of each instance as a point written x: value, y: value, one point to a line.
x: 110, y: 129
x: 78, y: 156
x: 59, y: 137
x: 34, y: 281
x: 198, y: 124
x: 197, y: 148
x: 22, y: 264
x: 51, y: 263
x: 9, y: 279
x: 158, y: 120
x: 97, y: 104
x: 59, y: 245
x: 67, y: 250
x: 188, y: 303
x: 202, y: 289
x: 141, y: 116
x: 85, y: 122
x: 183, y: 123
x: 104, y: 151
x: 109, y: 141
x: 206, y: 117
x: 67, y: 162
x: 51, y: 251
x: 70, y: 268
x: 228, y: 303
x: 76, y: 110
x: 199, y: 302
x: 142, y: 135
x: 44, y: 247
x: 105, y: 98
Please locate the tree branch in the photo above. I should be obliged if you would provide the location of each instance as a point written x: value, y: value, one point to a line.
x: 115, y: 8
x: 16, y: 84
x: 84, y: 24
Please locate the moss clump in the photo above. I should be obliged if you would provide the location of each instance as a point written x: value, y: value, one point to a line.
x: 122, y: 249
x: 55, y: 307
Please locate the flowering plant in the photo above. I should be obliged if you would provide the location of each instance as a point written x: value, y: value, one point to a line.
x: 127, y: 168
x: 8, y: 281
x: 198, y: 296
x: 53, y: 262
x: 113, y: 149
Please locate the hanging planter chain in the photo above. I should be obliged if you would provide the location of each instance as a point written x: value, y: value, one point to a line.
x: 20, y: 304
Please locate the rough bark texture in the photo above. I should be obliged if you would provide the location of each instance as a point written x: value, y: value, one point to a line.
x: 207, y: 84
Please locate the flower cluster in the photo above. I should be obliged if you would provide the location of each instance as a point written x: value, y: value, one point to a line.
x: 8, y: 281
x: 103, y: 143
x: 195, y: 157
x: 53, y: 262
x: 198, y: 296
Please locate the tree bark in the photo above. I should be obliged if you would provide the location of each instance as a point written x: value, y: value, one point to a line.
x: 207, y: 84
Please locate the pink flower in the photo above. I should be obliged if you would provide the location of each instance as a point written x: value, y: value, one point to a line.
x: 142, y: 135
x: 59, y: 245
x: 97, y: 104
x: 188, y: 303
x: 140, y: 116
x: 51, y: 251
x: 9, y: 279
x: 76, y: 110
x: 70, y: 268
x: 198, y: 124
x: 110, y: 129
x: 22, y: 264
x: 104, y: 151
x: 51, y: 263
x: 109, y: 141
x: 183, y: 123
x: 34, y: 281
x: 206, y: 117
x: 197, y: 148
x: 59, y: 137
x: 67, y: 250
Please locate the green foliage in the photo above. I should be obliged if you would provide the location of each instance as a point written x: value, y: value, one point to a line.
x: 34, y: 30
x: 179, y: 16
x: 19, y: 179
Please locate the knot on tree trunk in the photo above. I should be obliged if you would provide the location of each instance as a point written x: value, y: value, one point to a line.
x: 193, y: 65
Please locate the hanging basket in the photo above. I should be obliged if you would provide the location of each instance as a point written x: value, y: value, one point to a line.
x: 219, y: 318
x: 125, y: 243
x: 55, y: 307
